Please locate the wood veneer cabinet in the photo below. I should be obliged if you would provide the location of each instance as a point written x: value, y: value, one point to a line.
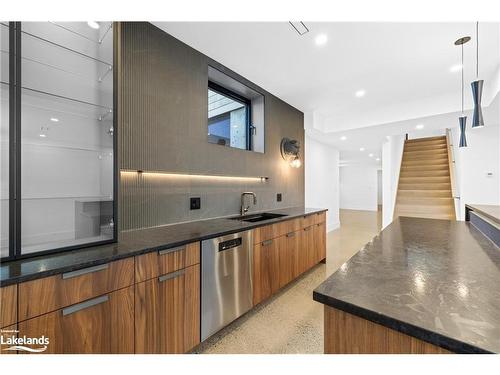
x: 167, y: 312
x: 289, y: 260
x: 266, y: 270
x: 8, y: 305
x: 290, y: 248
x: 41, y: 296
x: 101, y: 325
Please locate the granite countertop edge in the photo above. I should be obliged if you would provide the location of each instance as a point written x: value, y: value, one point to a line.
x: 139, y: 250
x: 431, y: 337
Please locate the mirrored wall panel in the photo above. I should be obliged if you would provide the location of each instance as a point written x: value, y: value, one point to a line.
x: 4, y: 140
x: 67, y: 134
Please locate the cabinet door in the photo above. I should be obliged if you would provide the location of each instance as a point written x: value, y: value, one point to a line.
x: 289, y: 245
x: 266, y: 270
x: 307, y: 249
x: 167, y: 312
x: 319, y: 242
x: 104, y: 324
x: 8, y: 305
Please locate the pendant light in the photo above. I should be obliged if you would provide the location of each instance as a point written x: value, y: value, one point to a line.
x: 462, y: 120
x: 477, y: 89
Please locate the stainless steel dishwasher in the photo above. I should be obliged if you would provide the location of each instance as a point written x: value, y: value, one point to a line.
x: 226, y: 280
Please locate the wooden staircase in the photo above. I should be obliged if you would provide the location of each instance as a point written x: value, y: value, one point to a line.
x: 424, y: 188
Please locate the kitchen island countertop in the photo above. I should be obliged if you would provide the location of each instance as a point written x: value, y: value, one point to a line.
x: 435, y: 280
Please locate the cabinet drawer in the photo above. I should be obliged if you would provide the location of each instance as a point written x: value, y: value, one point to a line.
x: 308, y: 220
x: 41, y: 296
x: 161, y: 262
x: 100, y: 325
x: 290, y: 226
x: 319, y: 217
x: 8, y: 305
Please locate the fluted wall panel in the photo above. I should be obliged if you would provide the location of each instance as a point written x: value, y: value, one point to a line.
x: 162, y: 123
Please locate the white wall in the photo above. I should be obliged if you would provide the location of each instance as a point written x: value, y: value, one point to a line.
x: 480, y: 157
x: 392, y: 152
x: 322, y: 179
x: 379, y: 187
x: 358, y: 187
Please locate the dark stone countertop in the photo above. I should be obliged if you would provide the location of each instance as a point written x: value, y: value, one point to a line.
x: 490, y: 211
x: 133, y: 243
x: 436, y: 280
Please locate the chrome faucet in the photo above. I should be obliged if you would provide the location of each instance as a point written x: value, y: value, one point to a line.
x: 244, y: 209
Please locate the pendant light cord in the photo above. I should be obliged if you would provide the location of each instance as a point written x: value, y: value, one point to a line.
x: 477, y: 49
x: 462, y: 79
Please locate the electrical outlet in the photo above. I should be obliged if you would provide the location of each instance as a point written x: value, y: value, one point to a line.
x: 278, y: 197
x: 195, y: 203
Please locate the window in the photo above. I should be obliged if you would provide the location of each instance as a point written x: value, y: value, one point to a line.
x: 235, y: 112
x: 228, y: 118
x: 4, y: 141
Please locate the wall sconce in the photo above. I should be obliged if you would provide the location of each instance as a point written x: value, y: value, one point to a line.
x: 290, y: 151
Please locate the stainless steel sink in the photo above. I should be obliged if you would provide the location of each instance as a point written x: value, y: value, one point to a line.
x: 258, y: 217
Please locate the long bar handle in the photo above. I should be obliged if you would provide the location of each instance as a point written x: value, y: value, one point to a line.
x: 83, y: 271
x: 291, y: 234
x: 266, y: 243
x: 308, y: 228
x: 172, y: 250
x: 171, y: 275
x: 85, y: 305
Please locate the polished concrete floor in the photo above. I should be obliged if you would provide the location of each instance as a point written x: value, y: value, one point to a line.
x: 291, y: 322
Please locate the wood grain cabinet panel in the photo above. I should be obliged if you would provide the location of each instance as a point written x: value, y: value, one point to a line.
x: 161, y: 262
x: 308, y: 220
x: 266, y: 270
x: 289, y: 248
x: 349, y: 334
x: 307, y: 249
x: 319, y: 242
x: 41, y: 296
x: 167, y: 313
x: 101, y: 325
x: 8, y: 305
x: 8, y: 333
x: 319, y: 217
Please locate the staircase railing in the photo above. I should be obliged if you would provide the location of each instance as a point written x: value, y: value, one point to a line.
x: 451, y: 165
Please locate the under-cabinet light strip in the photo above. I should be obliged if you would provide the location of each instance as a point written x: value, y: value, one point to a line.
x: 197, y: 176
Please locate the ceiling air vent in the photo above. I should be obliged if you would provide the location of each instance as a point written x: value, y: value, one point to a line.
x: 299, y: 27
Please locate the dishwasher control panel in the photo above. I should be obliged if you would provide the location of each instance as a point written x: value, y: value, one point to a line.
x: 230, y: 244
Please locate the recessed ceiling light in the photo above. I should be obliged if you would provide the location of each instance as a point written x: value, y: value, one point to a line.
x: 360, y: 93
x: 321, y: 39
x: 370, y: 155
x: 343, y: 138
x: 456, y: 68
x: 54, y: 119
x: 419, y: 126
x: 43, y: 135
x: 362, y: 149
x: 93, y: 24
x: 377, y: 159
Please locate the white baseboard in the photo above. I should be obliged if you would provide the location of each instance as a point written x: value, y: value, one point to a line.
x: 332, y: 226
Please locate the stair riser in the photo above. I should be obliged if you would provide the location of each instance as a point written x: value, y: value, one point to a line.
x: 415, y: 148
x: 426, y: 168
x: 425, y: 186
x: 424, y: 173
x: 424, y: 193
x: 437, y: 158
x: 427, y: 139
x: 424, y: 180
x: 431, y: 153
x: 422, y: 162
x: 425, y: 201
x: 427, y: 216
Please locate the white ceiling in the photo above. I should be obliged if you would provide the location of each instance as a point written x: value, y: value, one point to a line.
x: 404, y: 68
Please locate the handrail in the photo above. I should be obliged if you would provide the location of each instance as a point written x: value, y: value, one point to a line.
x: 451, y: 166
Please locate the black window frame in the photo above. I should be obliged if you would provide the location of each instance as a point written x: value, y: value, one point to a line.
x: 15, y: 200
x: 240, y: 99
